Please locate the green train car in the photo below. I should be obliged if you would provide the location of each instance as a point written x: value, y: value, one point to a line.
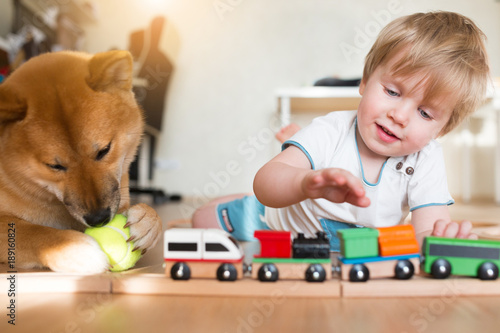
x: 445, y: 256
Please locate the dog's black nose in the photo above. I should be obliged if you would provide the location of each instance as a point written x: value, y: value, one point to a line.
x: 98, y: 218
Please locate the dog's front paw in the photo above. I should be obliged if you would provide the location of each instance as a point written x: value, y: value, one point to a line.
x: 145, y: 226
x: 76, y: 253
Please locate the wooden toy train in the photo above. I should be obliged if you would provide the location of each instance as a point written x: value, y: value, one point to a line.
x: 365, y: 253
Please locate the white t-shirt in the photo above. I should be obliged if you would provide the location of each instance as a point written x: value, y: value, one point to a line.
x: 404, y: 184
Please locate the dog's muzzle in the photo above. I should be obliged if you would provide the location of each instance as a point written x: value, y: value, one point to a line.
x: 98, y: 218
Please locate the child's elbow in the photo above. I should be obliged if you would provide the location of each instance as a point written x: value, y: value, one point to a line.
x: 262, y: 189
x: 257, y: 187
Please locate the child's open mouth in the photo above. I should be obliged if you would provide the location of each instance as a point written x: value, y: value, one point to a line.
x: 387, y: 131
x: 386, y: 135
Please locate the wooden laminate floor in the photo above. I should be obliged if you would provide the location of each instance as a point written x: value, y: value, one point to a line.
x: 448, y: 310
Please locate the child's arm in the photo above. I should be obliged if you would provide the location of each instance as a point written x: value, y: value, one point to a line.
x: 288, y: 179
x: 436, y: 221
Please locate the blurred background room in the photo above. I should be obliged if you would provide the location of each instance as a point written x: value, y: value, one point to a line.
x: 215, y: 76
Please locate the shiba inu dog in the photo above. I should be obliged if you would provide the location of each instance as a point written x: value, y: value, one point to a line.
x: 69, y: 129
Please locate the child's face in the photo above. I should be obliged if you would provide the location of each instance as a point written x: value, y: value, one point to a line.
x: 393, y: 117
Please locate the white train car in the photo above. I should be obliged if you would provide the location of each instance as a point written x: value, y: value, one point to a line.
x: 202, y: 253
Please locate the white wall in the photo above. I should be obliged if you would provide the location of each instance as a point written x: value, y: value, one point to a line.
x: 220, y: 106
x: 6, y: 17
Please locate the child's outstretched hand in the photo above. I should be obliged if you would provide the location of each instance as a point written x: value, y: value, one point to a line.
x: 336, y: 185
x: 448, y: 229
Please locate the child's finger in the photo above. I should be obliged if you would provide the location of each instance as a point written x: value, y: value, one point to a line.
x: 451, y: 230
x: 472, y: 236
x: 334, y: 177
x: 354, y: 184
x: 314, y: 181
x: 439, y: 228
x: 464, y: 229
x: 359, y: 201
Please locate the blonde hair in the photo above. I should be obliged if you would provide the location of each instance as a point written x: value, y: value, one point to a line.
x: 447, y: 47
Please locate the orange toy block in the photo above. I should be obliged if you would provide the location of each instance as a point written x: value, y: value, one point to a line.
x: 397, y: 240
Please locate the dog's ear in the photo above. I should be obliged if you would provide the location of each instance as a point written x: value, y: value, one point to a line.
x: 110, y: 70
x: 12, y: 108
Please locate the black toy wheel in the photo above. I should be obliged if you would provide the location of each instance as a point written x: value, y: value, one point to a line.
x: 227, y: 272
x: 180, y: 271
x: 359, y: 273
x: 315, y: 273
x: 268, y: 273
x: 441, y: 269
x: 404, y: 270
x: 487, y: 271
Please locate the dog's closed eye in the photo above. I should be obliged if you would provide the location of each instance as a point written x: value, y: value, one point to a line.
x: 103, y: 152
x: 57, y: 167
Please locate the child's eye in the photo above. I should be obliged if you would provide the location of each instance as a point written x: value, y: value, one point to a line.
x: 391, y: 92
x: 424, y: 114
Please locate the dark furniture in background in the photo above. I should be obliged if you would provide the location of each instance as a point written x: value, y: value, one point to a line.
x: 152, y: 77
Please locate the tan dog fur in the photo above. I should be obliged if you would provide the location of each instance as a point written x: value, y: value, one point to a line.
x: 69, y: 129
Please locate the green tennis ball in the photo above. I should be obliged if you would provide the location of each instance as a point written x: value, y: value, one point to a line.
x: 113, y: 241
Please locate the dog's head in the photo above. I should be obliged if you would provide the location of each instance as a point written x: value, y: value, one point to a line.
x: 69, y: 129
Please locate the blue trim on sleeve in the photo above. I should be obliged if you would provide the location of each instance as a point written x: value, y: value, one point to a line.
x: 298, y: 145
x: 451, y: 202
